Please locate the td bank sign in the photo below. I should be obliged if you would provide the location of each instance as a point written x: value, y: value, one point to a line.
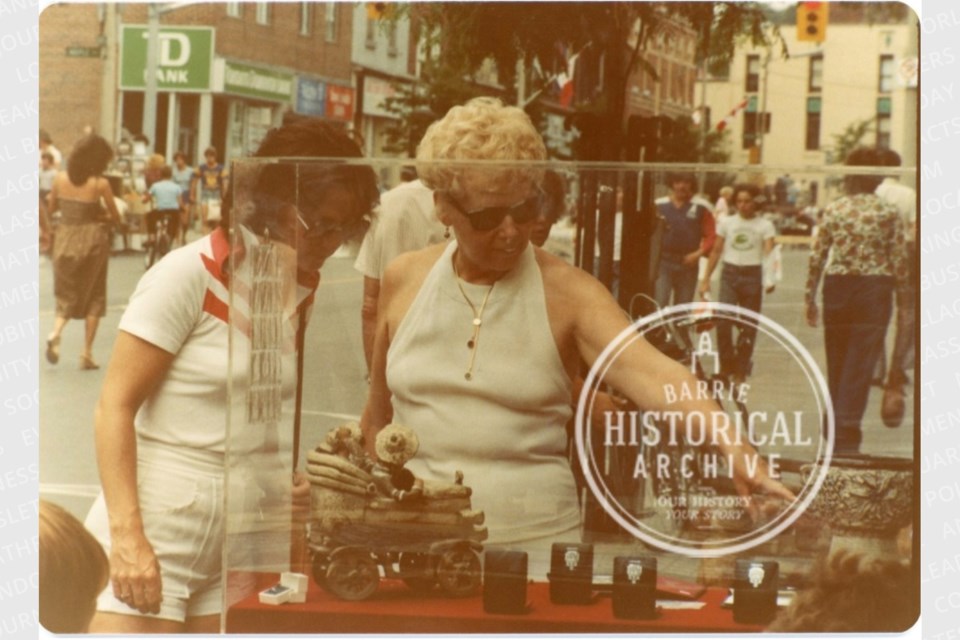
x: 184, y: 58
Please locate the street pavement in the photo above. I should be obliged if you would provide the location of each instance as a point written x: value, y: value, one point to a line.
x: 335, y: 374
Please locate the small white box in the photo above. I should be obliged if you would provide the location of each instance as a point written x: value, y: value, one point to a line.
x: 297, y: 582
x: 277, y: 594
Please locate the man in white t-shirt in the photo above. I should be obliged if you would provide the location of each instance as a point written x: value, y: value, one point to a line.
x: 743, y: 241
x: 904, y: 198
x: 406, y: 221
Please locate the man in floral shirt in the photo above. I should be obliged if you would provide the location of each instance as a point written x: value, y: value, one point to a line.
x: 865, y: 241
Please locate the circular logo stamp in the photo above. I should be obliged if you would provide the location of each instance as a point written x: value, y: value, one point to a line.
x: 673, y: 472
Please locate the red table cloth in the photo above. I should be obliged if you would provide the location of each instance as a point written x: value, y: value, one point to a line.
x: 395, y: 608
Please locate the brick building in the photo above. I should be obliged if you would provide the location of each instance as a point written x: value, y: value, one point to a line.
x: 71, y: 69
x: 227, y: 72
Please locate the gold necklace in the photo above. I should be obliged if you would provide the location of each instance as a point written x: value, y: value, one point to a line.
x: 473, y: 343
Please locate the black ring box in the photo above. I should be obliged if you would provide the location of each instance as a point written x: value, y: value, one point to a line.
x: 504, y: 581
x: 755, y: 591
x: 635, y: 587
x: 571, y: 573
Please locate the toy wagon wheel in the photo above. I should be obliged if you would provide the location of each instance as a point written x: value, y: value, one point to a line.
x: 320, y: 564
x: 458, y: 571
x: 352, y: 575
x: 415, y: 571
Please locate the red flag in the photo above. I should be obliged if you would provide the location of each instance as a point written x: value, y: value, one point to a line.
x: 565, y: 82
x: 733, y: 114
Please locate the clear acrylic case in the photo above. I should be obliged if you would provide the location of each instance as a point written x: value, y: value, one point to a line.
x: 270, y: 436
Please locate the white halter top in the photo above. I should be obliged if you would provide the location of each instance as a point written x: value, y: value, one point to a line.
x: 505, y: 428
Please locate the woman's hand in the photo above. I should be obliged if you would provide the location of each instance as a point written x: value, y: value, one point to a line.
x: 135, y: 572
x: 704, y: 289
x: 691, y: 258
x: 813, y: 314
x: 755, y: 481
x: 301, y: 497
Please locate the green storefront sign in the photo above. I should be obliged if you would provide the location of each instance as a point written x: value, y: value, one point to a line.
x: 184, y: 58
x: 256, y: 82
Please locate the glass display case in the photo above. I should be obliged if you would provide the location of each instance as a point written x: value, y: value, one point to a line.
x: 395, y: 538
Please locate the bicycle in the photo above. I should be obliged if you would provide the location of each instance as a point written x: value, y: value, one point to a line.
x: 162, y: 241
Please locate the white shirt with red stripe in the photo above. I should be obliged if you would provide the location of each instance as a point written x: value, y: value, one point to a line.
x: 181, y: 305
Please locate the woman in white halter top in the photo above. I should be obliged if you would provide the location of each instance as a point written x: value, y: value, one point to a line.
x: 477, y: 341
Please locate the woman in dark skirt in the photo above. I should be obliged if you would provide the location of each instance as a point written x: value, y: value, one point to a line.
x: 81, y: 249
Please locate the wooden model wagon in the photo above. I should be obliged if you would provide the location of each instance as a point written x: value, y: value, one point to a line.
x: 372, y: 519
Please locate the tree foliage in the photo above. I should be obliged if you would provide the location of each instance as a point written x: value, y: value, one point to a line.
x: 850, y: 138
x: 461, y: 37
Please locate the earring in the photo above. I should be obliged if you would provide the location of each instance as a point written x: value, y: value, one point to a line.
x: 446, y: 233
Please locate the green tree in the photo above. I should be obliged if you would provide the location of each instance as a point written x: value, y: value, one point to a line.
x: 850, y: 138
x: 462, y: 36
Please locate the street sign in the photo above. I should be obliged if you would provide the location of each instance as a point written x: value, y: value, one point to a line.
x: 256, y: 82
x: 339, y: 102
x: 184, y: 58
x: 83, y: 52
x: 311, y: 97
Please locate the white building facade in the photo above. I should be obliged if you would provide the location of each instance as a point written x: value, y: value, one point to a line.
x: 796, y: 106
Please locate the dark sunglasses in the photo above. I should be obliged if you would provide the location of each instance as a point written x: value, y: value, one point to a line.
x: 489, y: 218
x: 321, y: 228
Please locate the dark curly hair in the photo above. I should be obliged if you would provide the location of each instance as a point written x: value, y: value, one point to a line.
x: 90, y: 157
x: 298, y: 179
x: 854, y: 592
x: 863, y: 157
x: 752, y: 190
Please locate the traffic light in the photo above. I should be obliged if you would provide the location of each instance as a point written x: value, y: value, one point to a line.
x: 378, y: 10
x: 812, y: 21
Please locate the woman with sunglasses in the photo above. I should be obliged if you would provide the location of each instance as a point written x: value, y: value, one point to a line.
x: 478, y: 341
x: 160, y: 424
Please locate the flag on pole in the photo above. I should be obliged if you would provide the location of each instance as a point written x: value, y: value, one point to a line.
x: 565, y: 81
x: 728, y: 120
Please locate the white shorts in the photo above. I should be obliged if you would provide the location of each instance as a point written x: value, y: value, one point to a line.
x: 181, y: 502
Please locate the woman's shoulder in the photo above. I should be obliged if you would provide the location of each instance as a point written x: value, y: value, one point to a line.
x: 193, y: 262
x: 561, y: 275
x: 413, y: 263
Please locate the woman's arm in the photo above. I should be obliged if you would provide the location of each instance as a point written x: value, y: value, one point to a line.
x: 135, y: 368
x: 711, y: 265
x: 643, y: 375
x: 106, y: 194
x: 53, y: 203
x: 818, y: 260
x: 378, y: 411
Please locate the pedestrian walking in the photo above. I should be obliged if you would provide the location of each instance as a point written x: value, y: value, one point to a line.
x: 81, y: 247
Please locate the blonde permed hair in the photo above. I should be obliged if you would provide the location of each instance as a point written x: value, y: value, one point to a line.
x: 482, y: 129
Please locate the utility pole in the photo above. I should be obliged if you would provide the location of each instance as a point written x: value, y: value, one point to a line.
x: 762, y: 119
x: 761, y: 124
x: 701, y: 179
x: 149, y: 127
x: 108, y: 86
x: 522, y: 80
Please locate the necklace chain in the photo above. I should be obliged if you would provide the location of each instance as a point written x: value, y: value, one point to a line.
x: 474, y: 343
